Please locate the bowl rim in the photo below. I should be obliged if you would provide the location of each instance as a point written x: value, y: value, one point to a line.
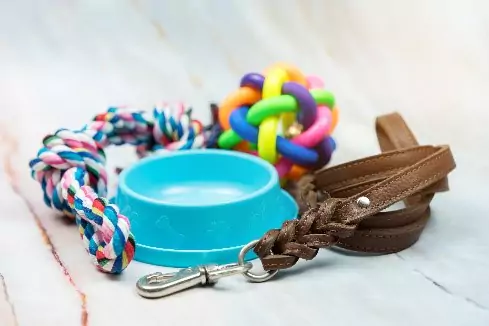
x: 272, y: 182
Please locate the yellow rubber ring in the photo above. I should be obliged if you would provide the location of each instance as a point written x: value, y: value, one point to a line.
x: 272, y: 86
x: 267, y: 135
x: 275, y: 76
x: 267, y: 140
x: 295, y: 75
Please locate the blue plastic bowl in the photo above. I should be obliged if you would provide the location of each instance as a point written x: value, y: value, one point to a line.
x: 201, y: 206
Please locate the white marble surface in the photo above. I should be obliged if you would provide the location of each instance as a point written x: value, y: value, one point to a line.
x: 63, y: 61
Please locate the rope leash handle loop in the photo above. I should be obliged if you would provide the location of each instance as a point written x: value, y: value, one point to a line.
x: 72, y: 173
x: 350, y: 215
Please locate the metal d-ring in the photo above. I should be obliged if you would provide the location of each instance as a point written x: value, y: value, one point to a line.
x: 250, y: 276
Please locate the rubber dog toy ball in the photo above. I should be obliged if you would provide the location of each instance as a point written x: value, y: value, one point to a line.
x: 250, y: 119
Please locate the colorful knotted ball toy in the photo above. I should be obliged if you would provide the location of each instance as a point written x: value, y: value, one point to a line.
x: 250, y: 119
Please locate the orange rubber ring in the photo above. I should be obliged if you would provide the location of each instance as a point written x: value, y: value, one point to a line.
x: 293, y: 73
x: 296, y: 172
x: 242, y: 96
x: 334, y: 116
x: 242, y: 147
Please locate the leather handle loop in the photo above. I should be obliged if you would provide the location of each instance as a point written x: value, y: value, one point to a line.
x: 393, y: 132
x: 404, y: 171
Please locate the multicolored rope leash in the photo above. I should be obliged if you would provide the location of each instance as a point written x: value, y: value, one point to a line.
x: 72, y: 173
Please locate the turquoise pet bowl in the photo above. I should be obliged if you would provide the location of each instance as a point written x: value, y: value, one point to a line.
x: 201, y: 206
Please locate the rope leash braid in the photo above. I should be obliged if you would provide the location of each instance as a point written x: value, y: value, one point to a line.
x: 72, y: 173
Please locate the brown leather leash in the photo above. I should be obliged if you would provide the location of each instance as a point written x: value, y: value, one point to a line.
x: 343, y: 205
x: 340, y: 206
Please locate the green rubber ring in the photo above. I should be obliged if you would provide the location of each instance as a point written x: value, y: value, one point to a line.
x: 323, y: 97
x: 228, y: 139
x: 285, y: 103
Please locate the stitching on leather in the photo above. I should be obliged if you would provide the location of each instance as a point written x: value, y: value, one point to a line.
x: 369, y: 249
x: 403, y: 212
x: 348, y: 190
x: 272, y: 265
x: 380, y: 236
x: 379, y: 158
x: 417, y: 225
x: 403, y: 176
x: 387, y: 236
x: 366, y: 185
x: 363, y: 177
x: 400, y: 214
x: 401, y: 195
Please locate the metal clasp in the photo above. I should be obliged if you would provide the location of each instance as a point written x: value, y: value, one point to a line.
x: 159, y: 285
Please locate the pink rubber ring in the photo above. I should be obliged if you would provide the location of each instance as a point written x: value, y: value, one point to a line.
x: 312, y: 136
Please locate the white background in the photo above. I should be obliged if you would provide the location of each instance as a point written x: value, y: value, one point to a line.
x: 63, y: 61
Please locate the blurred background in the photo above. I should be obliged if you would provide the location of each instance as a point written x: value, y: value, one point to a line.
x: 62, y: 61
x: 425, y: 59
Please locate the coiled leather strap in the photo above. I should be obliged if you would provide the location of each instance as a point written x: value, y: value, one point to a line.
x: 332, y: 214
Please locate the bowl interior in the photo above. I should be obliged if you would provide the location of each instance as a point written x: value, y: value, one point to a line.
x: 199, y: 177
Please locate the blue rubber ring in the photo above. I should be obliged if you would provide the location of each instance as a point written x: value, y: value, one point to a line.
x: 297, y: 154
x: 325, y: 150
x: 332, y: 142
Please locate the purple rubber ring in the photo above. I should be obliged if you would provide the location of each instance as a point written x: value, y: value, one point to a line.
x: 253, y: 80
x: 325, y: 150
x: 298, y: 154
x: 308, y: 109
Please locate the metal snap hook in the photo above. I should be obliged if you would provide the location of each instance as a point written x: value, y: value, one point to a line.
x: 159, y: 285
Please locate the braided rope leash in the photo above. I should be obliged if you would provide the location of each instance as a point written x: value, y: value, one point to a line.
x: 71, y: 171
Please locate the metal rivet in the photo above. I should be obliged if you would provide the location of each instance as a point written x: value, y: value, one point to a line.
x: 363, y: 202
